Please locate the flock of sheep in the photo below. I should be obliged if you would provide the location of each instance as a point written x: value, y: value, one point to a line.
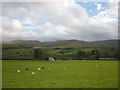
x: 49, y: 68
x: 40, y: 69
x: 100, y: 67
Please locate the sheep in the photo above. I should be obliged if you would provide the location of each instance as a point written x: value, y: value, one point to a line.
x: 38, y: 68
x: 18, y: 70
x: 64, y: 68
x: 102, y: 67
x: 49, y: 68
x: 19, y: 65
x: 33, y: 72
x: 96, y: 66
x: 27, y: 69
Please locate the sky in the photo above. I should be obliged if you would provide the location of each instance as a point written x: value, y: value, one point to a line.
x: 51, y: 21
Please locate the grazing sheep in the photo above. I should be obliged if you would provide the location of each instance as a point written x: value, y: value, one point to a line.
x: 96, y: 66
x: 33, y: 72
x: 38, y: 68
x: 64, y: 68
x: 49, y: 68
x: 19, y: 65
x: 102, y: 67
x: 18, y: 70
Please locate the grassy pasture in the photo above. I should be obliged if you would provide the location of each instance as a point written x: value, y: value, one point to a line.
x: 12, y: 53
x: 77, y: 74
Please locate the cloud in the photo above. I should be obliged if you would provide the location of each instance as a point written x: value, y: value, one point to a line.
x: 16, y: 25
x: 57, y: 21
x: 99, y: 6
x: 12, y: 26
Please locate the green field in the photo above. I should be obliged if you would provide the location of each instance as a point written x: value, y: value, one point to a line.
x: 62, y: 74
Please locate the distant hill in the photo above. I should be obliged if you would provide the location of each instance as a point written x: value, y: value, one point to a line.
x: 76, y: 43
x: 22, y: 44
x: 63, y: 43
x: 60, y: 43
x: 71, y: 43
x: 109, y: 42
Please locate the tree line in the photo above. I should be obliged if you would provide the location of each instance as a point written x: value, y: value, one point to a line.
x: 93, y: 54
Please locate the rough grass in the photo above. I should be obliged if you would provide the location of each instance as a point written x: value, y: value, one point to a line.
x: 78, y: 74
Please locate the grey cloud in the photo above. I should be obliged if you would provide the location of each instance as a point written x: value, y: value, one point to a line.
x: 55, y: 22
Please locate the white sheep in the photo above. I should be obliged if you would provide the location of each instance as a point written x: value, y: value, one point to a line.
x: 64, y: 68
x: 33, y: 72
x: 96, y: 66
x: 18, y: 70
x: 38, y: 68
x: 49, y: 68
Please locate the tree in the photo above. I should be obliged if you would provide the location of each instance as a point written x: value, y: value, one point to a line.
x: 40, y: 54
x: 117, y: 55
x: 106, y: 55
x: 93, y: 52
x: 81, y: 54
x: 97, y: 54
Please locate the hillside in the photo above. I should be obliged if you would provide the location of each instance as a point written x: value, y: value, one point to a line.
x: 22, y: 44
x: 60, y: 43
x: 109, y: 42
x: 73, y: 43
x: 64, y: 43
